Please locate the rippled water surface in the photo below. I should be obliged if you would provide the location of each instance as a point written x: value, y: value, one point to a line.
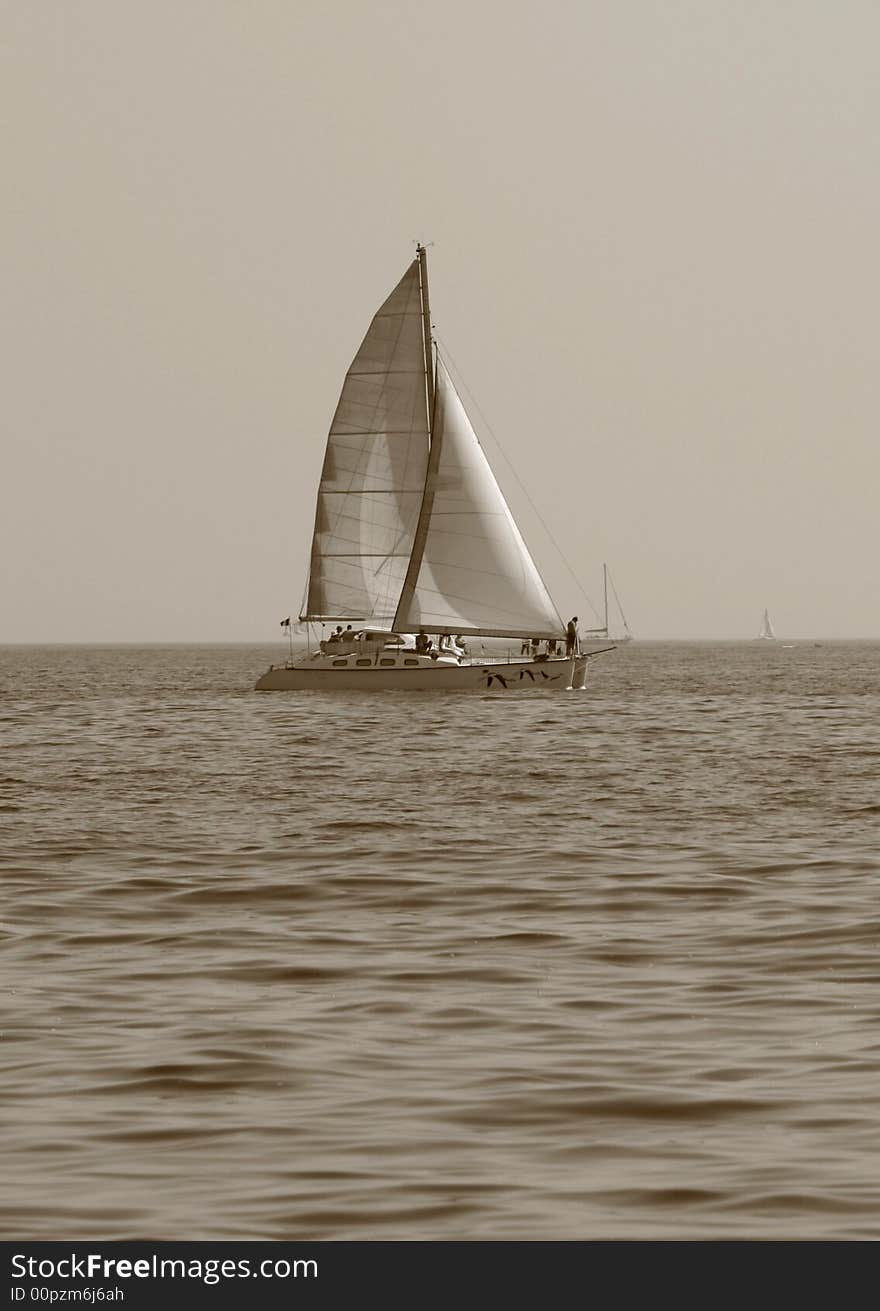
x: 544, y: 965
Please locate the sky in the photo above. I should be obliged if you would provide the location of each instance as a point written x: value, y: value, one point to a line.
x: 654, y: 266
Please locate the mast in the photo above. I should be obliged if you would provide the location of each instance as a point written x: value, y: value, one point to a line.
x: 422, y: 256
x: 421, y: 533
x: 605, y: 585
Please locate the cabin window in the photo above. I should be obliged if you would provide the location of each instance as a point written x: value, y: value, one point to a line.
x: 363, y: 662
x: 410, y: 662
x: 387, y: 662
x: 337, y: 663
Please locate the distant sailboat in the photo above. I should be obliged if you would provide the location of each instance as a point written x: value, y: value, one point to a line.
x: 766, y: 634
x: 626, y: 635
x: 413, y: 539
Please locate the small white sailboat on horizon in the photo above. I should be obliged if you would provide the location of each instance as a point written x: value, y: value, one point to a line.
x: 626, y: 635
x: 766, y: 634
x: 413, y: 539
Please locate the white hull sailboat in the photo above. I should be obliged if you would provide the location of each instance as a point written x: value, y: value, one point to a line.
x: 414, y: 546
x: 619, y: 638
x: 766, y: 634
x: 379, y: 673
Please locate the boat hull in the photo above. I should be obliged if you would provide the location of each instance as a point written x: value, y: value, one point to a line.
x: 497, y: 676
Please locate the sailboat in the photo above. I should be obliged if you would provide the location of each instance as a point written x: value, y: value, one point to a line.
x: 414, y: 547
x: 766, y: 634
x: 626, y: 635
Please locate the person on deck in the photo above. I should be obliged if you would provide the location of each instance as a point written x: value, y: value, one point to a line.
x: 423, y: 642
x: 571, y: 637
x: 337, y: 635
x: 348, y: 635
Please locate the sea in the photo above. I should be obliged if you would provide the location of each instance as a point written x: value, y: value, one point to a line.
x: 529, y: 966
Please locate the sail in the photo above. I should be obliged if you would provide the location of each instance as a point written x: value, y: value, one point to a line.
x: 626, y: 635
x: 476, y: 574
x: 373, y: 477
x: 767, y: 628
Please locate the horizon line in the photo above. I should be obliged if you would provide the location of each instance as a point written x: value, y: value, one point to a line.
x: 275, y: 641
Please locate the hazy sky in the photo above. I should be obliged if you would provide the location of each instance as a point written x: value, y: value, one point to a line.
x: 655, y: 266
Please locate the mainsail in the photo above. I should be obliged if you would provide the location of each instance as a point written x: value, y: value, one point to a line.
x: 374, y: 470
x: 767, y: 629
x: 476, y: 574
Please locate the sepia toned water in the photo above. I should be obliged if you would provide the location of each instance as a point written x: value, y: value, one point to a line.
x: 531, y: 966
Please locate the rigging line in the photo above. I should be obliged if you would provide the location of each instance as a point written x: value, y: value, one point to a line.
x: 510, y: 466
